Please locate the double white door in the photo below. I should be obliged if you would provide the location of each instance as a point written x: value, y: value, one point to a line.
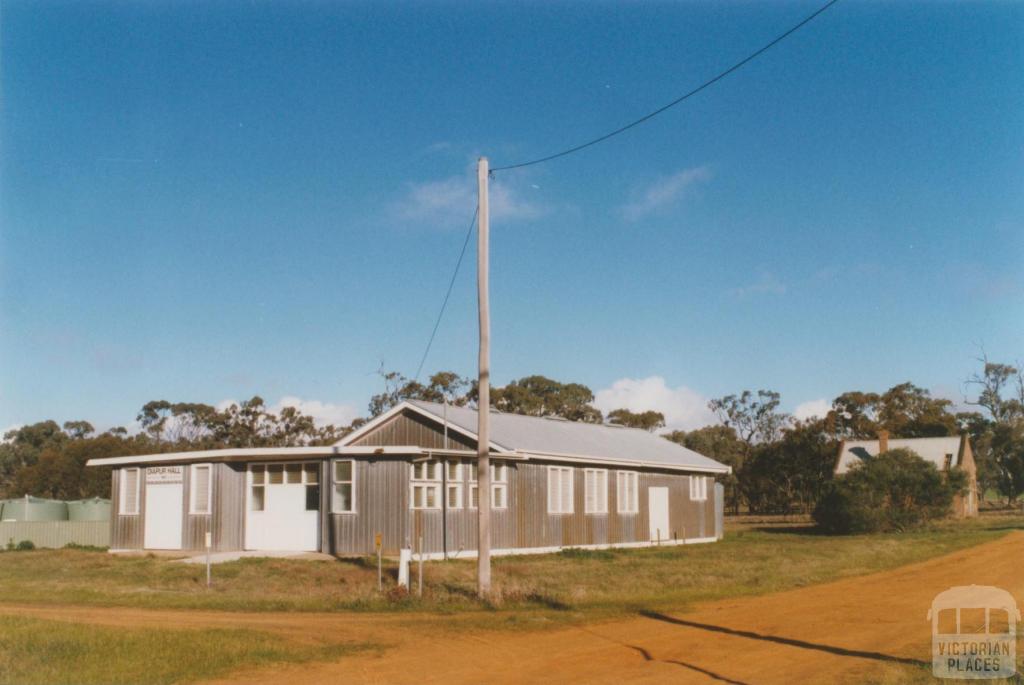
x: 282, y: 511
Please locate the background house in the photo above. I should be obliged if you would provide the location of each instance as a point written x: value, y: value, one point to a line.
x: 946, y: 453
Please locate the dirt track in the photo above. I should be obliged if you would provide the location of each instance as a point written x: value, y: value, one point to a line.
x: 838, y: 631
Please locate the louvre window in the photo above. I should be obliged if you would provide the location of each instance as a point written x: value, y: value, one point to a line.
x: 129, y: 491
x: 698, y: 488
x: 201, y: 489
x: 595, y: 491
x: 560, y: 490
x: 627, y: 492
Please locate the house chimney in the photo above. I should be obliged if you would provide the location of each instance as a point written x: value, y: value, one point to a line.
x: 883, y: 441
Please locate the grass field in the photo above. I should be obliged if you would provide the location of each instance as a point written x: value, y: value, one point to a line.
x: 539, y: 591
x: 571, y: 585
x: 38, y: 651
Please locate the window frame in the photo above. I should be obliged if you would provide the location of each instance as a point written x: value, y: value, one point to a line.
x: 698, y: 488
x: 601, y: 485
x: 499, y: 483
x: 627, y: 481
x: 564, y: 472
x: 351, y: 482
x: 123, y: 492
x: 192, y: 509
x: 427, y: 482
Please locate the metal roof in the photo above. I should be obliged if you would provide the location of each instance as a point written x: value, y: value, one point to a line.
x: 929, y: 449
x: 573, y: 440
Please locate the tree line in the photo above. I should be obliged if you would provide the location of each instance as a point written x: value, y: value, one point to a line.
x: 780, y: 463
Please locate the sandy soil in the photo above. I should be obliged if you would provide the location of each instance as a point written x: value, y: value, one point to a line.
x: 841, y: 631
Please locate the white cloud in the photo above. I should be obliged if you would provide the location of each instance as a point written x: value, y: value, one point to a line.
x: 684, y: 409
x: 450, y: 201
x: 767, y: 284
x: 323, y: 413
x: 224, y: 404
x: 664, y: 192
x: 812, y: 409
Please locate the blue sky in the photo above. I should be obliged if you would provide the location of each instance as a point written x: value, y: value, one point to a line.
x: 206, y: 201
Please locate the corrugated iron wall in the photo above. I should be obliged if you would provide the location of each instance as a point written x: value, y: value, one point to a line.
x: 413, y: 429
x: 381, y: 503
x: 126, y: 531
x: 227, y: 521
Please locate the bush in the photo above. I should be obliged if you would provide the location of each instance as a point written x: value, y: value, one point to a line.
x: 894, y: 491
x: 25, y: 545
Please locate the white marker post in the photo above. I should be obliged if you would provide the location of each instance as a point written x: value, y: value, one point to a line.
x: 209, y: 544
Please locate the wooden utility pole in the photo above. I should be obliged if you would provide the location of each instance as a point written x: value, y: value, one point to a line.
x: 483, y: 564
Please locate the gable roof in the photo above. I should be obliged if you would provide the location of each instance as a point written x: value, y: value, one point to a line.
x: 930, y: 449
x: 559, y: 438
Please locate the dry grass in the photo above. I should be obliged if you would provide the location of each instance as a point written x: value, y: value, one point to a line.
x: 570, y: 585
x: 40, y: 651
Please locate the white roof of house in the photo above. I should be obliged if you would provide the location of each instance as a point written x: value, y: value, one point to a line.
x: 562, y: 439
x: 929, y: 449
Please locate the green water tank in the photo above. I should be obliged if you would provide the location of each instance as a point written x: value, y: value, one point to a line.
x: 94, y: 509
x: 30, y: 508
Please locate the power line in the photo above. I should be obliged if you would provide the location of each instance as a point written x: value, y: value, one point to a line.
x: 675, y: 102
x: 451, y: 284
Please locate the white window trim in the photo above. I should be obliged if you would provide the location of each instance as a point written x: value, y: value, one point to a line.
x: 623, y: 480
x: 459, y: 489
x: 433, y: 483
x: 564, y: 472
x: 600, y: 497
x: 335, y: 483
x: 698, y: 488
x: 192, y: 490
x: 123, y: 492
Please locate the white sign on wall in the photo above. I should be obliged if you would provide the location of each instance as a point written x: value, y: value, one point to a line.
x: 165, y: 474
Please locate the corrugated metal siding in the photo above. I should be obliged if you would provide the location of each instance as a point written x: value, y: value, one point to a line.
x: 56, y: 534
x: 382, y: 503
x: 412, y: 429
x: 526, y: 522
x: 227, y: 521
x: 126, y: 531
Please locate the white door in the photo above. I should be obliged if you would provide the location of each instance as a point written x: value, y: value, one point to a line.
x: 164, y: 505
x: 657, y: 508
x: 283, y: 507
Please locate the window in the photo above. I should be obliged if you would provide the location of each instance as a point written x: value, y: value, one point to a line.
x: 627, y: 492
x: 499, y: 485
x: 200, y: 489
x: 426, y: 485
x: 948, y: 462
x: 343, y: 496
x: 257, y: 485
x: 595, y: 490
x: 559, y: 490
x: 311, y: 477
x: 129, y: 491
x: 453, y: 476
x: 698, y: 488
x: 474, y: 493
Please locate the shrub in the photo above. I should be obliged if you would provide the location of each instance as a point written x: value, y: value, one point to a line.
x: 25, y: 545
x: 894, y: 491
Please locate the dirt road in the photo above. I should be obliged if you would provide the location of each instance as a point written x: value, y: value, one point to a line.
x: 848, y: 630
